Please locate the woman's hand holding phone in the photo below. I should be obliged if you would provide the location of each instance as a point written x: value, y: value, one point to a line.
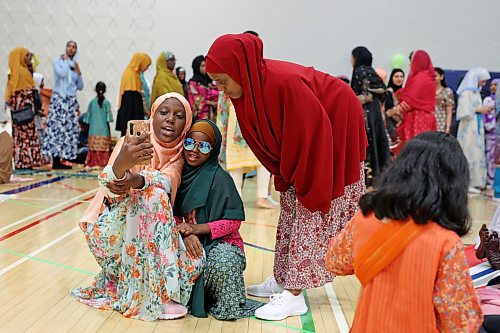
x: 134, y: 152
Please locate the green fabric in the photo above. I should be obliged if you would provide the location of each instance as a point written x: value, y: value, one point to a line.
x: 225, y: 285
x: 165, y: 81
x: 145, y: 90
x: 210, y: 191
x: 98, y: 118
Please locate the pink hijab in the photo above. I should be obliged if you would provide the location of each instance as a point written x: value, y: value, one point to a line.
x: 167, y: 158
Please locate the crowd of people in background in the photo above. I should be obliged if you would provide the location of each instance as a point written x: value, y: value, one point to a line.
x: 65, y: 134
x: 395, y: 111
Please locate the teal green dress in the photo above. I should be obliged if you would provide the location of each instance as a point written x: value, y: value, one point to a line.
x: 99, y: 118
x: 99, y: 144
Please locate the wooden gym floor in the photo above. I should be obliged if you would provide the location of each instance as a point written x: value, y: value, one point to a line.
x: 43, y: 255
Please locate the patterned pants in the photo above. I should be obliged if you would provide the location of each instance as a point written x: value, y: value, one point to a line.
x: 302, y: 238
x: 224, y: 283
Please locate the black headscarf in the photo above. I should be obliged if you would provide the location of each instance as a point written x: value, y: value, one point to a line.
x: 362, y: 57
x: 391, y: 84
x: 177, y: 71
x: 202, y: 79
x: 210, y: 191
x: 363, y: 71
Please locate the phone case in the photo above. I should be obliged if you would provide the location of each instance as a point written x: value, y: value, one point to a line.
x: 136, y: 128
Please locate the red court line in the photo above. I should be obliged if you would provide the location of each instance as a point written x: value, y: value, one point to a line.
x: 43, y: 219
x: 69, y: 187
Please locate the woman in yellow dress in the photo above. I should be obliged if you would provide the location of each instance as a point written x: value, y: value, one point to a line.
x: 236, y: 156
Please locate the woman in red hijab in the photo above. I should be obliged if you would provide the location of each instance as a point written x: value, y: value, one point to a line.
x: 307, y: 128
x: 417, y: 100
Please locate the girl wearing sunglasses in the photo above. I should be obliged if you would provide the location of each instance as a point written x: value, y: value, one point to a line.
x: 210, y: 212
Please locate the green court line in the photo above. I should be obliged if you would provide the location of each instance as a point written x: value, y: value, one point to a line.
x: 76, y: 175
x: 306, y: 319
x: 55, y: 173
x: 49, y: 262
x: 284, y: 326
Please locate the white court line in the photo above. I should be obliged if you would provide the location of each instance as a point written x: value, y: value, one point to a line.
x: 337, y: 309
x: 37, y: 251
x: 46, y: 210
x: 4, y: 197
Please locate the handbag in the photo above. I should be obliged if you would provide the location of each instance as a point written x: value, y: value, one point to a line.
x: 24, y: 115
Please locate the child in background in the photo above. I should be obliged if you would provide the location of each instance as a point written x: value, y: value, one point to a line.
x: 98, y: 117
x: 404, y: 245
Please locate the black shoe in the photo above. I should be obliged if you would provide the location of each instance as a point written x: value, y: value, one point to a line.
x: 58, y: 165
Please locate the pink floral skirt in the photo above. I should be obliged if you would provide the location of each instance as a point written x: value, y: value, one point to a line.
x: 302, y: 238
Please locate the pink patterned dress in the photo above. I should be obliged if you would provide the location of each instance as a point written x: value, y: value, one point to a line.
x: 198, y: 95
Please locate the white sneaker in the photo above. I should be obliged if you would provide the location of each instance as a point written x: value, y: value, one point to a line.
x: 282, y: 306
x: 474, y: 190
x: 265, y: 289
x: 274, y: 202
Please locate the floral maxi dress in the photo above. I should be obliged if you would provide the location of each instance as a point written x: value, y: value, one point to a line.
x: 143, y: 259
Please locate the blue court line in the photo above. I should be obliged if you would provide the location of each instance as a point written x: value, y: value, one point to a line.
x: 483, y: 273
x: 258, y: 247
x: 32, y: 186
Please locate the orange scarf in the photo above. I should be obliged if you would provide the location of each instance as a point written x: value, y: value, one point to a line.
x: 167, y: 158
x: 384, y: 247
x: 20, y: 77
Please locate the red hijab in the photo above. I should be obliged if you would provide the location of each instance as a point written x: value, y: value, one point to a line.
x: 420, y: 89
x: 306, y: 127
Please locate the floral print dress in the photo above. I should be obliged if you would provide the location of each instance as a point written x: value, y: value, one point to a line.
x: 198, y: 96
x: 26, y: 145
x: 444, y: 99
x: 235, y: 153
x: 143, y: 259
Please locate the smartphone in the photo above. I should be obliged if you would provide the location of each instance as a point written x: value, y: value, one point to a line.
x: 135, y: 129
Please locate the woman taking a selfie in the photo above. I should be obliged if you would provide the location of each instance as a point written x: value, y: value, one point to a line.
x: 129, y: 227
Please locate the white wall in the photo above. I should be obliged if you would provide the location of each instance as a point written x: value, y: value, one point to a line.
x: 458, y: 34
